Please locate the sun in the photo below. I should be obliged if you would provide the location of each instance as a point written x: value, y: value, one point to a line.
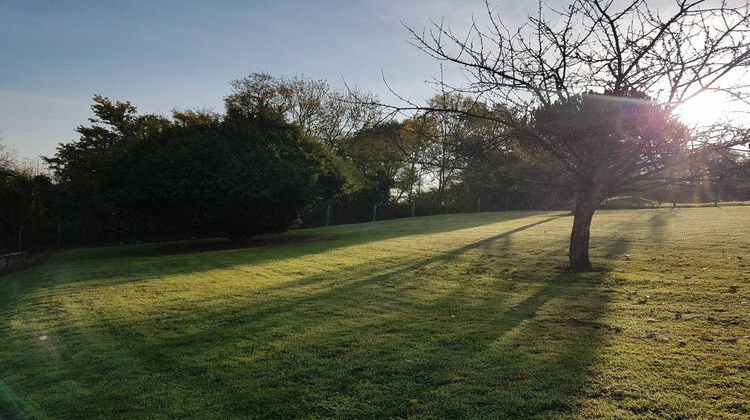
x: 705, y: 109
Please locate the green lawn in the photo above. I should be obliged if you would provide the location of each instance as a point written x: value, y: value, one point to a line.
x: 455, y: 316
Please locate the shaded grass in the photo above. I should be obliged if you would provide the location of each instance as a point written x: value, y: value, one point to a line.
x: 442, y: 317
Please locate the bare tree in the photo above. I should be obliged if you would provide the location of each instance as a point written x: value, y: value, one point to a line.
x: 8, y: 156
x: 592, y: 87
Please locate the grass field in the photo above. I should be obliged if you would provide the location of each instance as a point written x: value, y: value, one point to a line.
x: 455, y: 316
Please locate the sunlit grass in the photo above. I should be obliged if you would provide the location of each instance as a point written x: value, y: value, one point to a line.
x: 439, y: 317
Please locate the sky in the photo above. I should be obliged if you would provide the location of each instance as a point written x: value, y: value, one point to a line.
x: 55, y: 55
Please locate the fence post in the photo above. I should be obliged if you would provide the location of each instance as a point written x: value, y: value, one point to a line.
x: 716, y: 193
x: 412, y: 207
x: 479, y: 205
x: 20, y: 238
x: 507, y: 203
x: 374, y: 212
x: 59, y: 234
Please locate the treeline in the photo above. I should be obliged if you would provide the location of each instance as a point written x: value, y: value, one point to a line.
x: 290, y: 152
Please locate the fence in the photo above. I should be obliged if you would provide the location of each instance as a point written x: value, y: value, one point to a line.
x: 53, y: 233
x: 14, y: 258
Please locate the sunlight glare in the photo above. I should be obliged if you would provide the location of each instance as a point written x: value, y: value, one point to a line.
x: 705, y: 109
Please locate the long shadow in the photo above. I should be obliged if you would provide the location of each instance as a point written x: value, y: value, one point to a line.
x: 537, y: 357
x: 411, y: 264
x: 144, y: 262
x: 656, y: 226
x: 360, y: 347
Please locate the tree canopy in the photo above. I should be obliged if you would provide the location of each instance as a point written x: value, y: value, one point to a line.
x: 593, y: 85
x: 243, y: 176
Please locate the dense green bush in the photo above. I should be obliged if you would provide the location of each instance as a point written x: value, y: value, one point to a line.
x: 28, y: 207
x: 239, y: 177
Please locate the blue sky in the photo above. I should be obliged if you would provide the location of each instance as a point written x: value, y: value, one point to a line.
x: 164, y: 54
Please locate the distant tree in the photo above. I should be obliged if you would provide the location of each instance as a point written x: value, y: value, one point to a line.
x: 725, y: 174
x: 194, y: 117
x: 248, y: 174
x: 344, y: 121
x: 83, y: 166
x: 456, y: 139
x: 28, y: 211
x: 372, y: 153
x: 28, y: 205
x: 410, y: 144
x: 643, y: 62
x: 7, y: 156
x: 115, y: 128
x: 327, y: 114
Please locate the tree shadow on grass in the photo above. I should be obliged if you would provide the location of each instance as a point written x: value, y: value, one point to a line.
x: 429, y: 337
x: 113, y: 265
x: 653, y: 228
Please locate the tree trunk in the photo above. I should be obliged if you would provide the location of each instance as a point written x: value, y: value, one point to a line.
x: 579, y: 237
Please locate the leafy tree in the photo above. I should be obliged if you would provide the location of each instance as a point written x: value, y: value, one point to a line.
x: 725, y: 174
x: 82, y: 168
x: 536, y: 80
x: 325, y: 113
x: 28, y: 211
x: 371, y: 153
x: 412, y: 141
x: 605, y: 146
x: 249, y: 174
x: 115, y: 128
